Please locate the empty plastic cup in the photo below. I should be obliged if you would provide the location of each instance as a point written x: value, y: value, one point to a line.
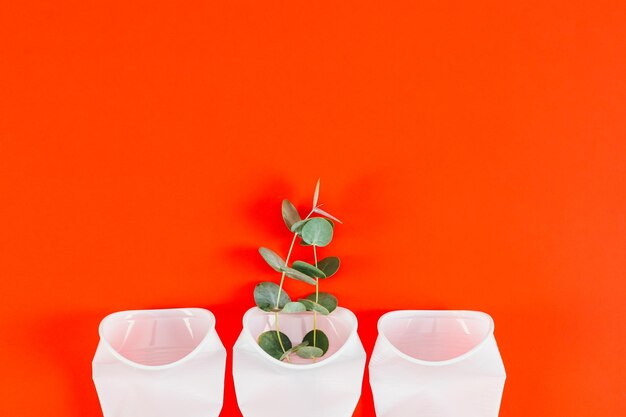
x: 436, y: 364
x: 160, y: 363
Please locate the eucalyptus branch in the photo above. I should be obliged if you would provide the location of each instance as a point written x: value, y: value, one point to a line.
x: 316, y: 232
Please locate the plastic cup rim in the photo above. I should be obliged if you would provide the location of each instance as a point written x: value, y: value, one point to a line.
x: 175, y: 363
x: 440, y: 313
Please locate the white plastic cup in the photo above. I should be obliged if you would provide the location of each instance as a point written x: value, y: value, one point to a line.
x: 436, y: 364
x: 160, y: 363
x: 331, y: 386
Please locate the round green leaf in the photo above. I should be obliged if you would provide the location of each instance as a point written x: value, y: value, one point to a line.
x: 329, y: 266
x: 271, y: 345
x: 318, y: 232
x: 326, y: 300
x: 309, y: 352
x: 297, y: 228
x: 294, y: 307
x: 297, y: 275
x: 308, y: 269
x: 290, y: 214
x: 321, y: 340
x: 272, y: 259
x: 313, y: 306
x: 265, y: 295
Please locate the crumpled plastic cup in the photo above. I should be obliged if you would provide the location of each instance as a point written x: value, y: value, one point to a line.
x: 436, y: 364
x: 330, y: 387
x: 160, y: 363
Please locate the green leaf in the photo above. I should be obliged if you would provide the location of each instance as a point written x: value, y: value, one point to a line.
x: 319, y: 339
x: 293, y: 350
x: 297, y: 226
x: 271, y: 345
x: 326, y: 214
x: 309, y: 352
x: 308, y: 269
x: 265, y: 295
x: 272, y: 259
x: 297, y: 275
x: 316, y: 194
x: 326, y: 300
x: 294, y: 307
x: 329, y: 266
x: 313, y: 306
x: 318, y: 232
x: 290, y: 214
x: 287, y: 353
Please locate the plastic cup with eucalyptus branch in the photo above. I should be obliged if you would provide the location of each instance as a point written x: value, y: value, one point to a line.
x: 314, y: 231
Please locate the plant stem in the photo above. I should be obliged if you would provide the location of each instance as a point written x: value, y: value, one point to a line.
x: 317, y: 293
x: 317, y: 280
x: 282, y: 278
x: 280, y: 340
x: 280, y: 289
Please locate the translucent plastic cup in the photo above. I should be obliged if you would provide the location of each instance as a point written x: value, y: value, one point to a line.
x: 436, y: 364
x: 331, y: 386
x: 160, y: 363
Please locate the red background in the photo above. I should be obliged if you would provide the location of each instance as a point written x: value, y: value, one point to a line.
x: 476, y: 152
